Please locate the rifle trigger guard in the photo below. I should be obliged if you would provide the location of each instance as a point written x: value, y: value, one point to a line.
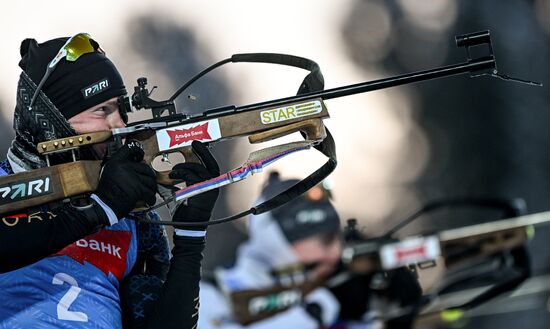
x: 163, y: 177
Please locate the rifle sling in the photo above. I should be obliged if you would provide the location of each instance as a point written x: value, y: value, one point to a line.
x: 327, y: 147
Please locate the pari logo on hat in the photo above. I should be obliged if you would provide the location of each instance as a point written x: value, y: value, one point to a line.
x: 302, y: 218
x: 311, y: 216
x: 95, y: 88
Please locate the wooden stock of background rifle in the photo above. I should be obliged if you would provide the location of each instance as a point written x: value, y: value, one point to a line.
x: 490, y: 257
x: 174, y: 132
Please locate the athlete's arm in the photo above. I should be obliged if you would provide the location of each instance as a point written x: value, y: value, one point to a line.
x: 174, y: 304
x: 178, y: 303
x: 28, y: 237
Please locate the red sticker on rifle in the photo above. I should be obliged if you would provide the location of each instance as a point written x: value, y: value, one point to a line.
x: 184, y: 135
x: 180, y: 136
x: 409, y: 251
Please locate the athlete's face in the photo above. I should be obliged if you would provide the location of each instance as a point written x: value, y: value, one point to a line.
x: 322, y: 250
x: 102, y: 117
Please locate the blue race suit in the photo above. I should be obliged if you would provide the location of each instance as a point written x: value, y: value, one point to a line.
x: 78, y: 286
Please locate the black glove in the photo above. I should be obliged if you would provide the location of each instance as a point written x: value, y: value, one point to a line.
x: 401, y: 287
x: 198, y: 208
x: 125, y: 180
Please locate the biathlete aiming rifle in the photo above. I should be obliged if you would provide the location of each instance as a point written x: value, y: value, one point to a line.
x: 174, y: 132
x: 488, y: 258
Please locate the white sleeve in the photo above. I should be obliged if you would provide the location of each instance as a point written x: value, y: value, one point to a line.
x: 215, y: 313
x: 329, y: 304
x: 108, y: 211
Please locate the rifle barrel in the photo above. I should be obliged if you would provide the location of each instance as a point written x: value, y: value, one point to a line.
x: 474, y: 65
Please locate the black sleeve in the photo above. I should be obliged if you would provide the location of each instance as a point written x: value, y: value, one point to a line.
x: 353, y: 296
x: 178, y: 302
x: 402, y: 287
x: 28, y: 237
x: 405, y: 289
x: 153, y: 249
x: 148, y: 302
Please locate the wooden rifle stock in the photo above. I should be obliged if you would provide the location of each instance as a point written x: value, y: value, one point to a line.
x: 79, y: 177
x: 457, y: 246
x: 45, y: 185
x: 253, y: 305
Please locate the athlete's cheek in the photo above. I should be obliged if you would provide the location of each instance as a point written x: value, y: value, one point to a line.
x: 115, y: 120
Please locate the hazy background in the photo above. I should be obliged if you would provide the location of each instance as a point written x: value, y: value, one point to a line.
x: 397, y: 148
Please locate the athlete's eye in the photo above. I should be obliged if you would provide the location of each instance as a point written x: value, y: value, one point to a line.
x: 101, y: 111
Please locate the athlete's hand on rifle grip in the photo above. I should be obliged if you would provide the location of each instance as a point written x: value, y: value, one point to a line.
x: 322, y: 306
x: 198, y: 208
x: 125, y: 180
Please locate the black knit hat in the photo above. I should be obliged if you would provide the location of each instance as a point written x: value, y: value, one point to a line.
x: 301, y: 218
x: 72, y: 86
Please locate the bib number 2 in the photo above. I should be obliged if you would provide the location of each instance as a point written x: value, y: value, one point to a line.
x: 65, y: 302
